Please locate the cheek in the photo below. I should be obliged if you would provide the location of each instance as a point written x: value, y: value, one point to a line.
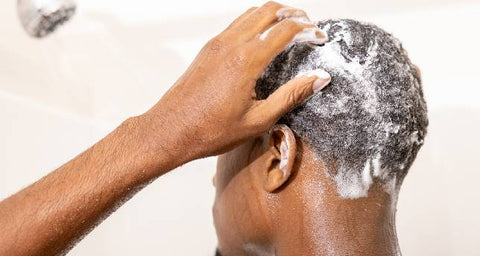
x: 227, y: 216
x: 237, y: 212
x: 232, y: 203
x: 231, y: 164
x: 239, y: 215
x: 230, y: 199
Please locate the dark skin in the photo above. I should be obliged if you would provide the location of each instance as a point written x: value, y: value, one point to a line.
x: 211, y: 109
x: 265, y: 208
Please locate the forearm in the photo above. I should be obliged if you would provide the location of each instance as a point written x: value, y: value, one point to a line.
x: 211, y: 109
x: 47, y: 217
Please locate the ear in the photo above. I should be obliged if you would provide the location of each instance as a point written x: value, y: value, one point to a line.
x: 282, y: 148
x: 419, y: 72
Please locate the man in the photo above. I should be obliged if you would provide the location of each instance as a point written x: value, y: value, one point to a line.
x: 212, y: 109
x: 325, y: 180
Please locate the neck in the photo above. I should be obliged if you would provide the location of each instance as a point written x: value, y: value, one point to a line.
x: 316, y: 221
x: 363, y: 226
x: 333, y: 226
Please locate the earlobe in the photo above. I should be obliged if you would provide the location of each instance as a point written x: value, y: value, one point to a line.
x: 283, y: 147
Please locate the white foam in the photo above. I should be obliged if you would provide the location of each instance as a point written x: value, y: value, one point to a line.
x: 377, y: 170
x: 293, y: 14
x: 355, y: 158
x: 367, y: 179
x: 264, y: 35
x: 306, y: 35
x: 320, y: 73
x: 285, y: 153
x: 415, y: 138
x: 332, y: 54
x: 284, y: 157
x: 352, y: 184
x: 309, y: 35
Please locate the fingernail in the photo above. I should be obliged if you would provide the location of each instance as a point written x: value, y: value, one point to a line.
x: 293, y: 14
x: 321, y: 35
x: 323, y: 79
x: 300, y: 19
x: 311, y: 35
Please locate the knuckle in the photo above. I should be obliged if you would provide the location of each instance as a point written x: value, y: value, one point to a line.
x: 216, y: 44
x: 300, y: 12
x: 258, y: 126
x: 291, y: 100
x: 291, y: 25
x: 238, y: 59
x: 243, y: 54
x: 294, y: 97
x: 272, y: 5
x: 242, y: 51
x: 257, y: 122
x: 269, y: 9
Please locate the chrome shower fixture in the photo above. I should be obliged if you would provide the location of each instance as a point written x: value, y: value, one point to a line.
x: 39, y: 18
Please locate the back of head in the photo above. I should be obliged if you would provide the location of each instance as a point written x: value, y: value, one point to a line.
x: 370, y: 122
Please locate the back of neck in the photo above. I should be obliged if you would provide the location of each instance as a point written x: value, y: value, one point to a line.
x: 329, y: 225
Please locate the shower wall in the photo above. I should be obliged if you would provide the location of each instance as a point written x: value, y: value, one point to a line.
x: 113, y: 60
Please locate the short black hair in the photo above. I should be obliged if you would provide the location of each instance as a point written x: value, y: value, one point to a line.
x: 371, y: 120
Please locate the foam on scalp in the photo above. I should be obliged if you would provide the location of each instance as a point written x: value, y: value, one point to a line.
x: 370, y: 122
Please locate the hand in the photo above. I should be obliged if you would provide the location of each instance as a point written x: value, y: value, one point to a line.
x: 213, y: 107
x: 209, y: 110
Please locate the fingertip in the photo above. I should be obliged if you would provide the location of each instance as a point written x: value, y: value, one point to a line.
x: 312, y: 35
x: 321, y: 78
x: 319, y: 84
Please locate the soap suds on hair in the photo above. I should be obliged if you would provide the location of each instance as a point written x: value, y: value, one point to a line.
x: 370, y: 122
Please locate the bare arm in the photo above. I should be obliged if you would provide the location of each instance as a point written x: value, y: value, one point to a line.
x: 209, y: 110
x: 48, y: 217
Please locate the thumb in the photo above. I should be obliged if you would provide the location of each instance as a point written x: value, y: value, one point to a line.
x: 293, y: 93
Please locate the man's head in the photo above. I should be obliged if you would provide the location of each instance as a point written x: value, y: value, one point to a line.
x: 354, y: 140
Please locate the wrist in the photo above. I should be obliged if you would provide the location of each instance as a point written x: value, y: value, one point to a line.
x: 157, y: 146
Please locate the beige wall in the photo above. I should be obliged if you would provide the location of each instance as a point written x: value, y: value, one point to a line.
x: 61, y: 94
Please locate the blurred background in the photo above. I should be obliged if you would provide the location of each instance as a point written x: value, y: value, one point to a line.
x: 115, y: 58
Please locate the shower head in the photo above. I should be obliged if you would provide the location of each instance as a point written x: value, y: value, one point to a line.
x: 39, y: 18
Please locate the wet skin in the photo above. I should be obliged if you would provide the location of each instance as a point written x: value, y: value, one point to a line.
x: 259, y: 211
x: 209, y: 110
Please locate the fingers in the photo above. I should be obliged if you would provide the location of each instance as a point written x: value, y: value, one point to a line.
x: 272, y: 42
x: 290, y: 95
x: 259, y: 20
x: 294, y: 14
x: 242, y: 17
